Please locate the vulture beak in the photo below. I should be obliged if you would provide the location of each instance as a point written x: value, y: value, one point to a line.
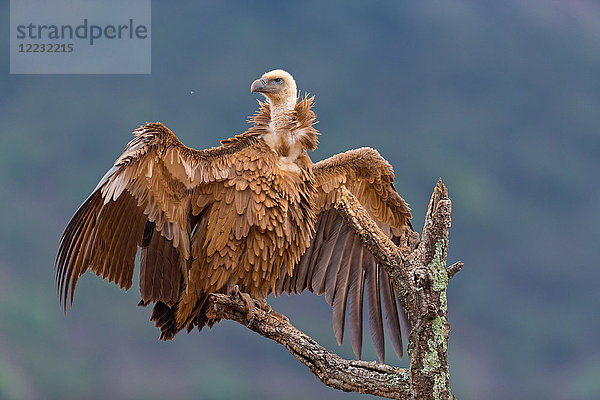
x: 260, y: 86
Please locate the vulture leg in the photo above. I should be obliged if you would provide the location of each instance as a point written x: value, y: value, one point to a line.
x: 248, y: 300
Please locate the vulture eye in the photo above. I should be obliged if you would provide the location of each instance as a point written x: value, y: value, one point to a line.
x: 278, y: 80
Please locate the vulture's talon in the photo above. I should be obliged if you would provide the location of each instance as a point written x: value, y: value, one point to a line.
x: 281, y: 316
x: 263, y: 305
x: 266, y: 307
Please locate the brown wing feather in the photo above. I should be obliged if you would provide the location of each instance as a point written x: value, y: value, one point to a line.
x: 374, y: 311
x: 160, y: 274
x: 370, y: 178
x: 355, y: 302
x: 337, y: 264
x: 391, y: 313
x: 350, y: 262
x: 154, y: 180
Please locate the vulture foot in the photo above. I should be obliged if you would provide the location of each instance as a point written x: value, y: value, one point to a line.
x: 263, y: 305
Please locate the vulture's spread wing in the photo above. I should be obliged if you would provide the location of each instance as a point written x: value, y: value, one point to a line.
x: 153, y: 198
x: 337, y: 264
x: 144, y: 200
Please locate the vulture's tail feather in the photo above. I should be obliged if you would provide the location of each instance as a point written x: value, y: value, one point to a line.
x: 165, y: 319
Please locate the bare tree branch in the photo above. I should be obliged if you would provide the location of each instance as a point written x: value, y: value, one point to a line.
x: 420, y: 277
x: 454, y: 268
x: 348, y: 375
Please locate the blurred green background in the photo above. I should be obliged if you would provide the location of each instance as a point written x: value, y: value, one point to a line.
x: 500, y: 99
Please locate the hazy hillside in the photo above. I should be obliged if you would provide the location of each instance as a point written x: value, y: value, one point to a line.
x: 500, y: 99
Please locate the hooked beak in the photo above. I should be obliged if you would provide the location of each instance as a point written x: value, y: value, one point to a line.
x: 260, y: 86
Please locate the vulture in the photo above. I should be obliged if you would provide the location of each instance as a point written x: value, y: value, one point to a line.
x: 253, y: 216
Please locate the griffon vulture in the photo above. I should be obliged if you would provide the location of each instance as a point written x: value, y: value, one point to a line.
x: 253, y: 214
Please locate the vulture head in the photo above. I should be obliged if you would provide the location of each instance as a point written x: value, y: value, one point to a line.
x: 278, y: 86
